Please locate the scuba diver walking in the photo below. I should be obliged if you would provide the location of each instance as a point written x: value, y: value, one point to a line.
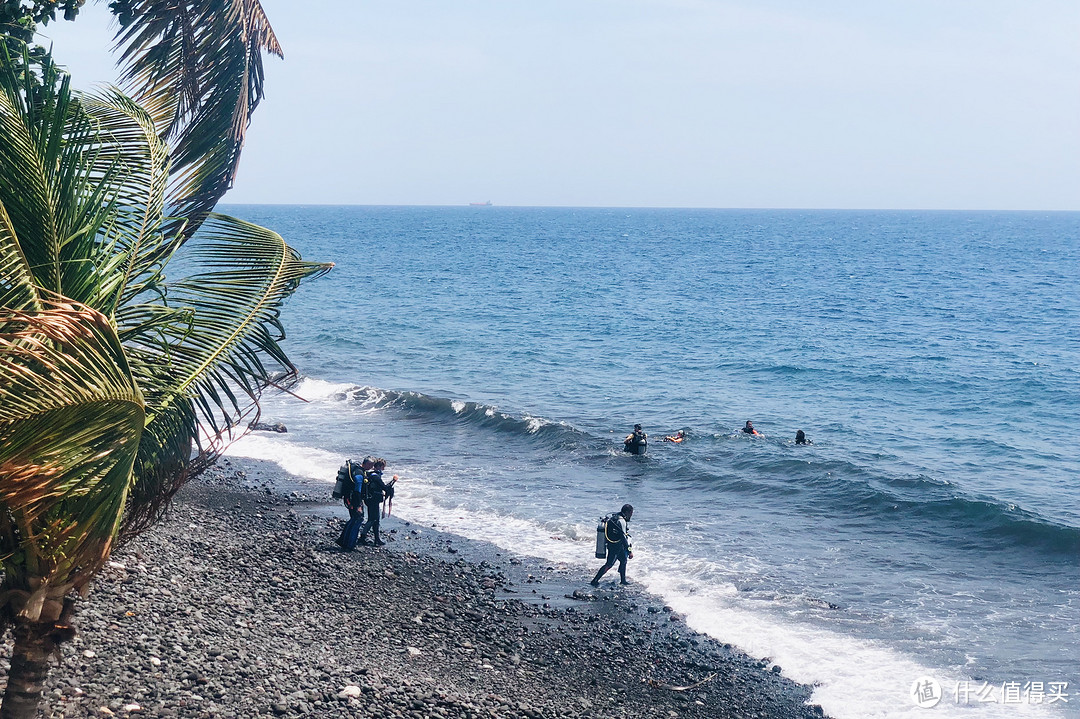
x: 617, y: 543
x: 354, y: 503
x: 374, y: 491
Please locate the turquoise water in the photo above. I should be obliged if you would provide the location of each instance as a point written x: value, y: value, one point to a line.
x: 496, y: 356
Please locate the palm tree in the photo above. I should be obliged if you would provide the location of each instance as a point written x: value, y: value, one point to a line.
x: 118, y: 382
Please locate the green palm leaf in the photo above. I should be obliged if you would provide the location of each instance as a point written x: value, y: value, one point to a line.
x: 205, y: 56
x: 234, y: 305
x: 56, y: 196
x: 71, y: 418
x: 135, y: 161
x: 17, y: 288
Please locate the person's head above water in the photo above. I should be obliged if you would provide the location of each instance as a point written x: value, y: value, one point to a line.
x: 749, y: 423
x: 627, y: 511
x: 637, y: 427
x: 380, y: 464
x: 368, y: 462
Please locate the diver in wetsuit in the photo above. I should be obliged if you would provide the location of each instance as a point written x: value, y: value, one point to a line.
x: 375, y: 490
x: 618, y: 545
x: 636, y: 442
x: 800, y: 438
x: 354, y: 503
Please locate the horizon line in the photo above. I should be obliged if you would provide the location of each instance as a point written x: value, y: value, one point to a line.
x: 644, y: 207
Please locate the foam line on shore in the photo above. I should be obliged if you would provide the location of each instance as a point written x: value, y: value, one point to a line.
x: 851, y: 678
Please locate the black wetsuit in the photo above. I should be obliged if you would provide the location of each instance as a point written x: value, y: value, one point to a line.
x: 352, y: 501
x: 374, y: 491
x: 617, y: 550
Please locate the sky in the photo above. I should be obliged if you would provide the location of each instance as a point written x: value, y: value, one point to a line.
x: 919, y: 104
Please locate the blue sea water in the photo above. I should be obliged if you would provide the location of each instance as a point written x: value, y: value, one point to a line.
x: 497, y: 356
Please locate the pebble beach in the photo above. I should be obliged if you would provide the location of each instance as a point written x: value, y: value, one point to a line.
x: 239, y: 604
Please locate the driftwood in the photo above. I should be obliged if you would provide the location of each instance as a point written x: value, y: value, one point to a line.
x: 673, y: 688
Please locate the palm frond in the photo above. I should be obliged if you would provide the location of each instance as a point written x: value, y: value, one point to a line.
x: 24, y: 174
x: 206, y: 55
x: 57, y: 199
x: 207, y: 355
x: 162, y: 466
x: 135, y: 160
x: 219, y: 360
x: 71, y: 418
x: 17, y: 288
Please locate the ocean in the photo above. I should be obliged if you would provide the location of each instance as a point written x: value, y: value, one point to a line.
x: 928, y: 539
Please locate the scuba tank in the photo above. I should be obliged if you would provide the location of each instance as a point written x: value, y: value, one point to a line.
x: 636, y: 442
x: 344, y: 482
x: 601, y: 538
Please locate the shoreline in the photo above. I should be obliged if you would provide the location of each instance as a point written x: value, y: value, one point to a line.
x: 239, y: 604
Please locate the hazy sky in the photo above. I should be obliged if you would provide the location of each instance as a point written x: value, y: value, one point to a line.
x: 690, y: 103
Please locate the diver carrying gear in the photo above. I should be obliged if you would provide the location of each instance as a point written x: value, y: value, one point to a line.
x: 617, y: 544
x: 356, y: 473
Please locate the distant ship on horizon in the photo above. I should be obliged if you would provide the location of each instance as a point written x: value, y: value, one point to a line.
x: 480, y: 204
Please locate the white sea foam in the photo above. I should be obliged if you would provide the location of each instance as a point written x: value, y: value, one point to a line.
x: 314, y: 390
x: 458, y: 406
x: 851, y: 678
x: 297, y: 459
x: 533, y: 424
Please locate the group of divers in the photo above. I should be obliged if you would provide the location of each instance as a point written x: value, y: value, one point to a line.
x: 637, y: 441
x: 361, y: 487
x: 613, y: 533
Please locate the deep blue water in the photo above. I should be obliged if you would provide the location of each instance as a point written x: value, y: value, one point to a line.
x: 496, y: 356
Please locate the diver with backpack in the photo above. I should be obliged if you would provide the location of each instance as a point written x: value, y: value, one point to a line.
x: 637, y: 441
x: 613, y: 539
x: 373, y: 492
x: 350, y: 482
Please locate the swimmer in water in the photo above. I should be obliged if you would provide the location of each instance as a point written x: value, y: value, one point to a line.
x: 749, y: 429
x: 636, y: 442
x: 676, y: 438
x: 800, y: 438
